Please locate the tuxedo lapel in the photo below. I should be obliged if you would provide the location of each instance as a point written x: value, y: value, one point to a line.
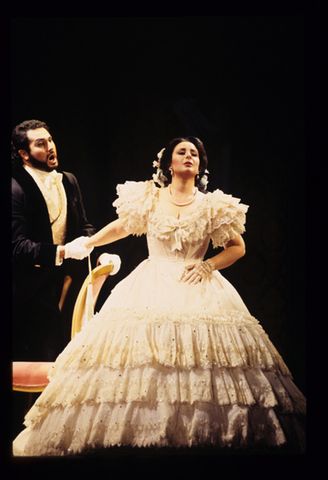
x: 35, y: 204
x: 68, y: 188
x: 72, y: 214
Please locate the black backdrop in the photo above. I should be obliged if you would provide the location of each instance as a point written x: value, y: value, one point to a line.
x: 113, y: 92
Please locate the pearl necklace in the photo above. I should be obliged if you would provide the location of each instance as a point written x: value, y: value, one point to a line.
x: 183, y: 204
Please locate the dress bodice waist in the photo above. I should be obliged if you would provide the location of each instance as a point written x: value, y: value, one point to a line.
x: 178, y: 260
x: 160, y: 250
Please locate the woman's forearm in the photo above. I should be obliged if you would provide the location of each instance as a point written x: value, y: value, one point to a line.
x: 233, y: 251
x: 111, y: 233
x: 227, y: 257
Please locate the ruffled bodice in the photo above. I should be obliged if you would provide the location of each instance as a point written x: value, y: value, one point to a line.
x: 219, y: 218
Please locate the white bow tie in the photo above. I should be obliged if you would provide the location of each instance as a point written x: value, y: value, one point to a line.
x: 53, y: 178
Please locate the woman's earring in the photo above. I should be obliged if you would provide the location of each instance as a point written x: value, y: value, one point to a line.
x: 197, y: 176
x: 171, y: 170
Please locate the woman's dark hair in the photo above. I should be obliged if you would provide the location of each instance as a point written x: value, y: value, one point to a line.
x: 166, y: 160
x: 19, y: 140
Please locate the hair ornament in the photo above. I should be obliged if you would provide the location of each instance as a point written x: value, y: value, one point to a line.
x: 159, y: 177
x: 204, y: 180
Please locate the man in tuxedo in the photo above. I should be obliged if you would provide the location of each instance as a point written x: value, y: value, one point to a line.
x: 49, y: 226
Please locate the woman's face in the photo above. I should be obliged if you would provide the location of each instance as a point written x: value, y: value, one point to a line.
x: 185, y: 159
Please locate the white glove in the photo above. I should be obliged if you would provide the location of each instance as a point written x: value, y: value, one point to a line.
x: 197, y: 272
x: 77, y: 249
x: 107, y: 258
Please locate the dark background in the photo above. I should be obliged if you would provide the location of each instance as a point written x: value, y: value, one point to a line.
x: 114, y: 91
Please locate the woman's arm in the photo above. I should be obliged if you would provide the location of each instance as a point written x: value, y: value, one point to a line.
x: 233, y: 250
x: 111, y: 233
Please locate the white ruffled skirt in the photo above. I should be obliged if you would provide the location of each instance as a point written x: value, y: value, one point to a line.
x: 167, y: 364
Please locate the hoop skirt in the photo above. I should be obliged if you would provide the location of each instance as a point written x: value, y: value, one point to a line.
x: 165, y: 363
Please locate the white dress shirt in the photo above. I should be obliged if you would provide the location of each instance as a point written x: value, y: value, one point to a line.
x: 52, y: 189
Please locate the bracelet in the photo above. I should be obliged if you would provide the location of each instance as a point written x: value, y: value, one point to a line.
x: 209, y: 265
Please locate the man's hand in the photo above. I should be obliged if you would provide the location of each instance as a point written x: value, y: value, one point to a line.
x: 77, y: 249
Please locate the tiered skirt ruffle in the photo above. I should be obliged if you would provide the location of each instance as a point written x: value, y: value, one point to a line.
x: 166, y: 379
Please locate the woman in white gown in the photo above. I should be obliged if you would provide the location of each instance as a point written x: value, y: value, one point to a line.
x: 173, y: 358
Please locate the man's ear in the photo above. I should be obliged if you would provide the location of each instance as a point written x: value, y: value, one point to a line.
x: 25, y: 156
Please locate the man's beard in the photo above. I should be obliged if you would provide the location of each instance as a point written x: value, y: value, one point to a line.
x: 44, y: 166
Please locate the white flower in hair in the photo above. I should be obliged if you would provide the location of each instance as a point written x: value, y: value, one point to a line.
x: 159, y: 177
x: 204, y: 180
x: 160, y: 154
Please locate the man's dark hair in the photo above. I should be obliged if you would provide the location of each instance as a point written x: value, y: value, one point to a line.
x: 19, y: 140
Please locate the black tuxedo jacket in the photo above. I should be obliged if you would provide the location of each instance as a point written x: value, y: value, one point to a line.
x: 32, y: 242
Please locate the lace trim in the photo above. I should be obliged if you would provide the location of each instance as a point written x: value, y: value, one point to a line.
x: 84, y: 427
x: 135, y: 201
x: 154, y: 384
x: 83, y: 377
x: 134, y: 337
x: 220, y: 215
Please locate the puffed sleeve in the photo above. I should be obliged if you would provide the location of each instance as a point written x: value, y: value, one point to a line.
x: 228, y: 218
x: 134, y: 202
